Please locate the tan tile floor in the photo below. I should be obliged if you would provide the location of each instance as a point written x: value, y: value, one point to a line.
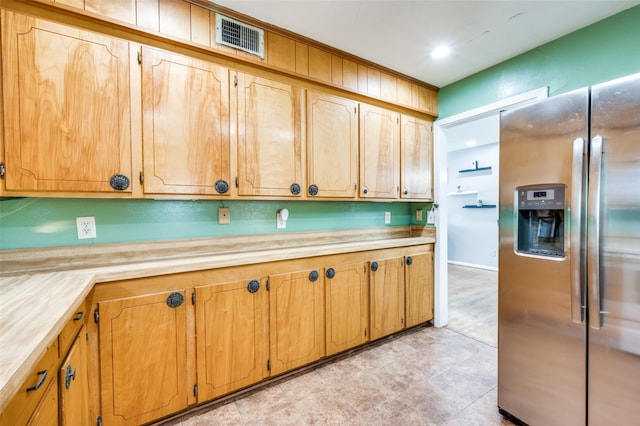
x: 430, y: 376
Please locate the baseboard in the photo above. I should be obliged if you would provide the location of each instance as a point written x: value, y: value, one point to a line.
x: 473, y: 265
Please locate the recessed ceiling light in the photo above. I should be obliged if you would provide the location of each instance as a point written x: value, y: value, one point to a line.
x: 440, y: 52
x: 471, y: 143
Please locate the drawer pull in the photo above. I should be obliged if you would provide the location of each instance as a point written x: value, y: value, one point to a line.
x: 43, y: 377
x: 79, y: 316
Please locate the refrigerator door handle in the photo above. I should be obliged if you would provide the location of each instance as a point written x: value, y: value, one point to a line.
x: 593, y: 237
x: 575, y: 232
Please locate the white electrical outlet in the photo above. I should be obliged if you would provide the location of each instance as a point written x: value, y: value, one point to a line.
x: 387, y: 218
x: 431, y: 217
x: 86, y: 227
x: 419, y: 215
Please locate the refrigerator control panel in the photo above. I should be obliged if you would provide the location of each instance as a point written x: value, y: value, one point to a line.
x: 541, y: 198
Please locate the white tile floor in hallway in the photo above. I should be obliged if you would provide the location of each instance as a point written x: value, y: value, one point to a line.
x: 429, y: 376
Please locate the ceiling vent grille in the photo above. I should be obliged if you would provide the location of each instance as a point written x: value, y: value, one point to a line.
x: 230, y: 32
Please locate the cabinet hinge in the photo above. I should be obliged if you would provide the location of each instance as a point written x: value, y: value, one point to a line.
x: 268, y: 365
x: 195, y: 390
x: 2, y: 170
x: 141, y: 177
x: 139, y: 58
x: 235, y: 80
x: 268, y: 286
x: 99, y: 421
x: 193, y: 298
x: 96, y: 315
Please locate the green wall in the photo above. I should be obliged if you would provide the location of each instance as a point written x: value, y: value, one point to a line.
x: 603, y: 51
x: 46, y: 222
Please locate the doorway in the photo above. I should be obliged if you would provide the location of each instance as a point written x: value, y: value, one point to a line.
x: 441, y: 130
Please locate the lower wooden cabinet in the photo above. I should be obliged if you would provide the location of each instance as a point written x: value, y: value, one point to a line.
x: 418, y: 281
x: 347, y: 306
x: 30, y: 395
x: 57, y: 390
x: 46, y: 413
x: 74, y: 385
x: 169, y: 342
x: 230, y: 336
x: 143, y: 351
x: 387, y: 296
x: 296, y: 319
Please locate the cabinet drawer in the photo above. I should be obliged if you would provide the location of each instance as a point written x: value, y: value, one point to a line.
x: 25, y: 401
x: 70, y: 331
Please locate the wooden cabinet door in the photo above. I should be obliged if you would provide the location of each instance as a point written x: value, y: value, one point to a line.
x: 143, y: 369
x: 46, y: 413
x: 379, y: 152
x: 74, y: 385
x: 347, y: 306
x: 231, y: 336
x: 332, y: 146
x: 416, y: 141
x: 185, y: 104
x: 296, y: 319
x: 386, y: 283
x: 66, y: 105
x: 269, y: 137
x: 419, y: 288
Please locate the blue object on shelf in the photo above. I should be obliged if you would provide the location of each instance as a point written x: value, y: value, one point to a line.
x: 476, y: 169
x: 475, y: 206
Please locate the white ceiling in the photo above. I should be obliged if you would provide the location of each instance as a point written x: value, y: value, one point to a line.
x: 400, y: 34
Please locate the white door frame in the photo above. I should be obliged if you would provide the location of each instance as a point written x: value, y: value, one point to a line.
x: 441, y: 284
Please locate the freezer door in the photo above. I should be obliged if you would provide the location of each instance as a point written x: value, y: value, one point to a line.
x: 541, y: 349
x: 614, y: 282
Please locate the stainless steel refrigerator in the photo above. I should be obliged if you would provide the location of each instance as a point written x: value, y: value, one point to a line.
x: 569, y: 259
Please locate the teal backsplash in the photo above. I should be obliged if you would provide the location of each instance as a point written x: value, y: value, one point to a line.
x: 48, y: 222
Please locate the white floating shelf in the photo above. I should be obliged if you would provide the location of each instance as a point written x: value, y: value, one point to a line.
x: 463, y: 192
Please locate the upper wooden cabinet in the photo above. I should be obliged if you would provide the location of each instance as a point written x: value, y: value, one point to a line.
x: 231, y: 334
x: 269, y: 137
x: 186, y: 145
x: 332, y: 146
x: 143, y: 369
x: 379, y: 152
x: 416, y: 141
x: 67, y: 122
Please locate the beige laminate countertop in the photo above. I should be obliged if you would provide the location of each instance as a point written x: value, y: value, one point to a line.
x: 34, y: 307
